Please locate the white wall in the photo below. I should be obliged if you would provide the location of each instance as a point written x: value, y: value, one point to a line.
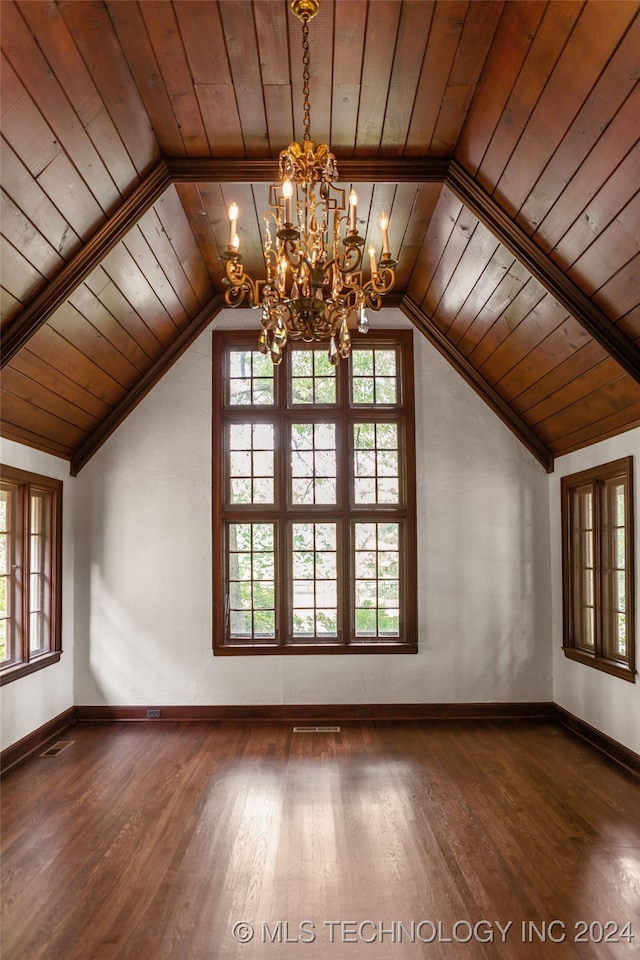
x: 607, y: 703
x: 32, y: 701
x: 143, y: 562
x: 137, y: 571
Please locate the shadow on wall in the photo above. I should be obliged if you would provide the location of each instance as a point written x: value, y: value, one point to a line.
x: 488, y: 576
x: 142, y: 596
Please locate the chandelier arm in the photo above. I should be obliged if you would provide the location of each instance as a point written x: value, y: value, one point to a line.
x: 241, y: 285
x: 234, y: 296
x: 379, y: 285
x: 350, y: 262
x: 291, y: 251
x: 271, y: 262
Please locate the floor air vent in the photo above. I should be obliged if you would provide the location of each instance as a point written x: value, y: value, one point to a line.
x: 56, y: 748
x: 316, y: 729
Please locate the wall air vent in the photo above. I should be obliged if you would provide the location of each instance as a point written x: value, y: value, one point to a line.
x: 56, y: 748
x: 316, y: 729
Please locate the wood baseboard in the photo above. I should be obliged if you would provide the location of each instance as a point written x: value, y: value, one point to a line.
x: 306, y: 711
x: 323, y: 712
x: 24, y: 748
x: 596, y: 738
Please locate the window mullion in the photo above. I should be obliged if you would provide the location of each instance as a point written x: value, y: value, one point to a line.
x: 606, y: 573
x: 612, y: 574
x: 310, y: 407
x: 613, y: 565
x: 283, y: 573
x: 599, y: 560
x: 25, y: 571
x: 345, y: 536
x: 282, y: 482
x: 13, y: 574
x: 40, y: 551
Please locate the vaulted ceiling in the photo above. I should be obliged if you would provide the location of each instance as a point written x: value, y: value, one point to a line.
x: 502, y: 137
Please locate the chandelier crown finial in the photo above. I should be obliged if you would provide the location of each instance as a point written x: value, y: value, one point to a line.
x: 305, y: 10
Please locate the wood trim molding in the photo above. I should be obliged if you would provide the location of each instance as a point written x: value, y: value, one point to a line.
x: 390, y: 712
x: 214, y: 170
x: 142, y: 387
x: 400, y: 169
x: 355, y: 169
x: 24, y: 748
x: 178, y: 170
x: 46, y: 302
x: 448, y: 171
x: 394, y: 170
x: 475, y: 380
x: 552, y: 278
x: 332, y: 711
x: 596, y: 738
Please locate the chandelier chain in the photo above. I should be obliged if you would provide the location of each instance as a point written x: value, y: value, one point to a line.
x: 305, y: 79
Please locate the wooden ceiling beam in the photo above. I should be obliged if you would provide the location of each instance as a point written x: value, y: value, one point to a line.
x: 543, y: 268
x: 390, y: 170
x: 475, y: 380
x: 353, y: 169
x: 149, y: 379
x: 44, y: 304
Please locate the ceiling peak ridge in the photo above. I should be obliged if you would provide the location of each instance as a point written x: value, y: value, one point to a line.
x: 449, y: 172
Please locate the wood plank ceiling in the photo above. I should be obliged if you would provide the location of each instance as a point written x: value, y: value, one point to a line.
x: 503, y: 138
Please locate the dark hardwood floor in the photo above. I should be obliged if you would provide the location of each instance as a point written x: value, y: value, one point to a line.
x: 151, y: 841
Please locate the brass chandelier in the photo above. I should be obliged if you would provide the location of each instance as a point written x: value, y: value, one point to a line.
x: 315, y: 285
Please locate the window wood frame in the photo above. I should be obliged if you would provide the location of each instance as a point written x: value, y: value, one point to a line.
x: 344, y: 512
x: 601, y: 657
x: 26, y: 662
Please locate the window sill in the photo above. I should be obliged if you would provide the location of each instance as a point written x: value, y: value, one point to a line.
x: 302, y: 649
x: 18, y: 670
x: 612, y: 667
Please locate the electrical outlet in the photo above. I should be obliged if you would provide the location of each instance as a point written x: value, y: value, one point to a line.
x: 153, y: 714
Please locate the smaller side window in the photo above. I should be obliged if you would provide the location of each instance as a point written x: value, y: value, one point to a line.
x: 30, y: 572
x: 598, y: 574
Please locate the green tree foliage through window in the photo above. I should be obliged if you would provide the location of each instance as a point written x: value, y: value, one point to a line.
x: 30, y: 574
x: 598, y: 563
x: 314, y: 498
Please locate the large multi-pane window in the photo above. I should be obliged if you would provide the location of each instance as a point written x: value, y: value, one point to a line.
x: 314, y: 498
x: 597, y: 520
x: 30, y: 556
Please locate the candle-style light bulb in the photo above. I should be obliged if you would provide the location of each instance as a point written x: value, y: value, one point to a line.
x: 287, y: 193
x: 353, y: 206
x: 372, y: 259
x: 384, y: 226
x: 233, y: 219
